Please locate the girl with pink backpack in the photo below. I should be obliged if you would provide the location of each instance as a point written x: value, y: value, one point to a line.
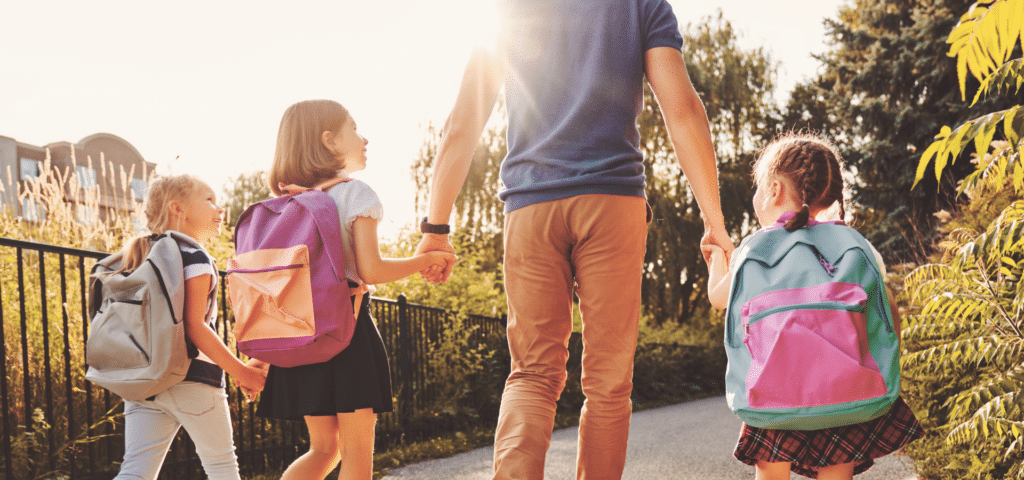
x: 339, y: 399
x: 811, y: 337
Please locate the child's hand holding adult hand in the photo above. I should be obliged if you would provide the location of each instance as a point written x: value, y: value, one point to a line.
x: 714, y: 256
x: 440, y: 262
x: 718, y: 236
x: 436, y: 242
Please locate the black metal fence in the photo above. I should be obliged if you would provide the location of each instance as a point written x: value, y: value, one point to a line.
x: 56, y: 422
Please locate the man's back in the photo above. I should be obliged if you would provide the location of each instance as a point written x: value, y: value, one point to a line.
x: 574, y: 88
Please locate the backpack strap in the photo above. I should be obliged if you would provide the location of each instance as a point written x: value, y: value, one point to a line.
x: 781, y: 222
x: 358, y: 292
x: 292, y: 189
x: 181, y: 238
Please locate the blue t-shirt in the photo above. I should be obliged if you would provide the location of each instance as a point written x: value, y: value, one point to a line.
x: 573, y: 91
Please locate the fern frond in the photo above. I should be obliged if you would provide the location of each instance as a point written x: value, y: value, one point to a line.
x: 963, y: 353
x: 1009, y: 77
x: 950, y: 143
x: 985, y: 37
x: 965, y: 305
x: 1001, y: 383
x: 934, y: 331
x: 997, y: 420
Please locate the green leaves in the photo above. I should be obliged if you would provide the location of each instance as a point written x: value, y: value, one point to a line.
x: 985, y: 38
x: 967, y: 326
x: 1009, y: 77
x: 949, y: 144
x: 982, y: 44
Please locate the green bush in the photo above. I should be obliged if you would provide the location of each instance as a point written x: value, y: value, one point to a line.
x: 47, y: 419
x: 965, y: 347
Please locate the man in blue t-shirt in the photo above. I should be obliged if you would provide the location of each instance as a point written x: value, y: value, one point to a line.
x: 575, y: 212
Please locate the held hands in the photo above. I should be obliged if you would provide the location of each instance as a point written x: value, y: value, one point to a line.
x: 718, y: 275
x: 716, y: 247
x: 718, y: 236
x: 439, y: 263
x: 718, y: 264
x: 254, y: 378
x: 432, y: 242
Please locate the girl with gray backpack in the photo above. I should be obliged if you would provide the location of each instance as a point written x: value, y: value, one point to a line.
x: 181, y: 210
x: 812, y: 340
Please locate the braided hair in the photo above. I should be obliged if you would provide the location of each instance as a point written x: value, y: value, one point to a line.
x: 813, y: 165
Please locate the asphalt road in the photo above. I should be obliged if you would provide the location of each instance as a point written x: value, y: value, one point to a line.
x: 691, y: 440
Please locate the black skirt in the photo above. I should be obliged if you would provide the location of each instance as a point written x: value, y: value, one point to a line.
x: 355, y: 379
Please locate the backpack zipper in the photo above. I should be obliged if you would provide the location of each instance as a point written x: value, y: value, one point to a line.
x: 268, y: 269
x: 829, y: 268
x: 856, y: 307
x: 136, y: 342
x: 163, y: 288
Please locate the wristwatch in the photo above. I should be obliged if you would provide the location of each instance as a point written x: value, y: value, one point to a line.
x: 431, y: 228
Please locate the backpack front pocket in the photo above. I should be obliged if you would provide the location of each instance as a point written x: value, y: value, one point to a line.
x: 112, y: 342
x: 809, y: 347
x: 271, y: 294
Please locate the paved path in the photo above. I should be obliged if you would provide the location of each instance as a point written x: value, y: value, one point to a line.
x: 691, y: 440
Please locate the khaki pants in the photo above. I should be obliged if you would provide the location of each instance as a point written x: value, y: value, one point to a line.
x: 594, y: 244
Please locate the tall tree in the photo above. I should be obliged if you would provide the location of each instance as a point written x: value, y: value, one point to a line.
x: 242, y: 191
x: 479, y: 214
x: 889, y: 86
x: 737, y: 88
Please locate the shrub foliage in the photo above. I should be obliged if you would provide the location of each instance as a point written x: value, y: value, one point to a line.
x: 965, y: 346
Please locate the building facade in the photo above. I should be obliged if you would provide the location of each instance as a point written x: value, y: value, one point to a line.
x: 101, y: 173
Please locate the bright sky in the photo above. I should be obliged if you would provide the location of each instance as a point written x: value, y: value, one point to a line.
x: 199, y: 86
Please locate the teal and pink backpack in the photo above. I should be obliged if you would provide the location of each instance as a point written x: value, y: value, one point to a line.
x: 809, y: 334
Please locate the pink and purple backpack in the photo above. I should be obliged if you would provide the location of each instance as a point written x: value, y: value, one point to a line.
x: 287, y: 282
x: 809, y: 334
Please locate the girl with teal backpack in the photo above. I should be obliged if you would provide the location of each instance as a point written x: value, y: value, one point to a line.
x: 812, y: 340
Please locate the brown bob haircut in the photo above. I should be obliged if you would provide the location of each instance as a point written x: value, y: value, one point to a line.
x: 300, y: 157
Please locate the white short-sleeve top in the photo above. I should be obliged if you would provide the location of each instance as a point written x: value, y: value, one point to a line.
x: 354, y: 199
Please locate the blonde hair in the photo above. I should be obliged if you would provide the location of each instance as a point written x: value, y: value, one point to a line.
x: 300, y: 157
x: 162, y: 191
x: 812, y: 164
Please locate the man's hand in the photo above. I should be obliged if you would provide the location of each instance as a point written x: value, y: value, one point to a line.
x: 436, y: 242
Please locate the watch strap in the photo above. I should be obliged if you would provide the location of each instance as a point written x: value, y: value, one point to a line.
x: 432, y: 228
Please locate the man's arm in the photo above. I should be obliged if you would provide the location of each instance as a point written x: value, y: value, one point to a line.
x: 481, y: 83
x: 690, y: 134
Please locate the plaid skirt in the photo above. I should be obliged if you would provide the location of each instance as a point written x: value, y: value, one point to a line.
x: 809, y: 450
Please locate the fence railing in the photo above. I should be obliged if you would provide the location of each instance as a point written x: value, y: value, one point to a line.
x: 54, y: 421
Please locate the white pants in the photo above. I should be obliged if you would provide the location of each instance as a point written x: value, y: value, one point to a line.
x: 150, y: 426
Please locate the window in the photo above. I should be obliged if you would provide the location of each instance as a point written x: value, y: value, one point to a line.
x: 139, y: 188
x: 29, y: 169
x: 86, y: 215
x: 86, y: 177
x: 32, y: 210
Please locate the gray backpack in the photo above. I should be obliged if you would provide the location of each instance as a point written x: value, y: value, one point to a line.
x: 137, y: 346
